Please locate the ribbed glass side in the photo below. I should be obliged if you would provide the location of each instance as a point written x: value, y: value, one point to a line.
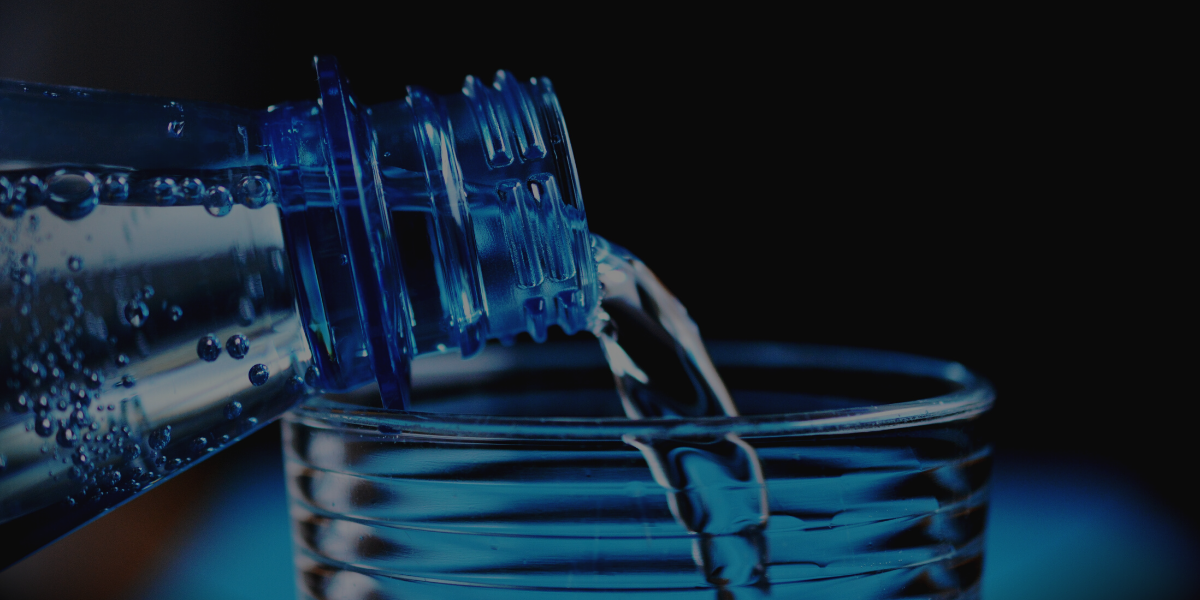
x: 541, y: 496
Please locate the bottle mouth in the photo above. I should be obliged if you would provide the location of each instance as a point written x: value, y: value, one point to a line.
x: 564, y: 392
x: 512, y: 242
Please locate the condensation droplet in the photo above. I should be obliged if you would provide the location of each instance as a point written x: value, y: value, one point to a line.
x: 127, y: 381
x: 175, y: 312
x: 175, y: 129
x: 147, y: 292
x: 75, y: 264
x: 160, y: 438
x: 254, y: 191
x: 23, y: 276
x: 67, y: 438
x: 192, y: 190
x: 44, y: 426
x: 29, y: 259
x: 93, y: 379
x: 208, y: 348
x: 233, y: 410
x: 237, y: 346
x: 73, y: 193
x: 259, y: 374
x: 218, y: 201
x: 312, y: 375
x: 136, y: 312
x: 16, y: 198
x: 165, y: 191
x: 115, y: 189
x: 295, y: 384
x: 9, y: 205
x: 122, y: 360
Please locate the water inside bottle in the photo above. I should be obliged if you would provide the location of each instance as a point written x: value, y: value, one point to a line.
x: 129, y: 301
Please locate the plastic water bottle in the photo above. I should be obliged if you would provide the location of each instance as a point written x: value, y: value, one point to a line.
x: 177, y: 274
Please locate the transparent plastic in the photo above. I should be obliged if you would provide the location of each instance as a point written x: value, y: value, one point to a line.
x: 177, y: 274
x: 517, y: 477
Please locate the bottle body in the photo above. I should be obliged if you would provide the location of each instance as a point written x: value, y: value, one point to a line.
x: 177, y: 274
x: 127, y: 394
x: 148, y: 314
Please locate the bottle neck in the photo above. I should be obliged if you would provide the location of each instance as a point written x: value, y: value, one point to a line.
x: 429, y: 224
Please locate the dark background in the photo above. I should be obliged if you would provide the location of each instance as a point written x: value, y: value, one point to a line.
x: 984, y: 188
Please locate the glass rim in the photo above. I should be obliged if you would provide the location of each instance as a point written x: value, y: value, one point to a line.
x: 974, y: 397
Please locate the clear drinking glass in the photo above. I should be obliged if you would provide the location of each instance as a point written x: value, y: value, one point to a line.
x: 512, y: 478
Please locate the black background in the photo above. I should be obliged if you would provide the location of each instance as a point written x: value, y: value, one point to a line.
x: 986, y: 188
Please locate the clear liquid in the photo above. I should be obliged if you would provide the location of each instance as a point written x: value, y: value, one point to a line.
x: 662, y: 369
x: 137, y: 335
